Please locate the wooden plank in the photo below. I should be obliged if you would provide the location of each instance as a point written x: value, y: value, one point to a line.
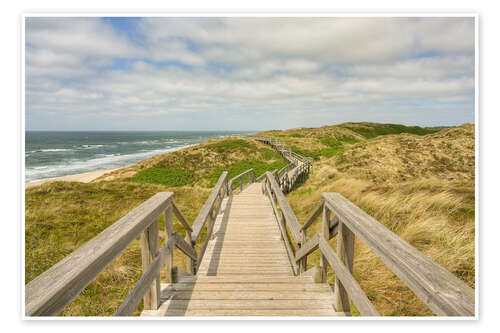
x: 355, y: 292
x: 201, y: 219
x: 264, y: 278
x: 133, y: 299
x: 182, y: 219
x: 247, y: 313
x: 234, y: 295
x: 200, y: 286
x: 49, y: 293
x: 443, y: 292
x: 186, y: 248
x: 242, y: 304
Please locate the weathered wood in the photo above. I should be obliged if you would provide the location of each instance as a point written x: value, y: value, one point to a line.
x: 345, y: 252
x: 204, y: 213
x: 249, y: 173
x: 290, y: 218
x: 308, y: 247
x: 314, y: 273
x: 313, y: 215
x: 168, y: 235
x: 133, y: 299
x: 324, y: 235
x: 182, y: 219
x: 444, y: 293
x: 186, y: 248
x: 363, y: 304
x: 178, y: 275
x: 284, y: 234
x: 149, y: 248
x: 49, y: 293
x: 248, y: 312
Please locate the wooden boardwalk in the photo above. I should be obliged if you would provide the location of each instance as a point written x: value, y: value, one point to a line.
x: 246, y: 270
x: 247, y: 265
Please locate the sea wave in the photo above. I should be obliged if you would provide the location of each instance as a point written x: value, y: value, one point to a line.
x: 74, y: 166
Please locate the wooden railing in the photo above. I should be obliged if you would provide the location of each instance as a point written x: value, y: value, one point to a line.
x: 50, y: 292
x: 298, y: 168
x: 237, y: 182
x: 444, y: 293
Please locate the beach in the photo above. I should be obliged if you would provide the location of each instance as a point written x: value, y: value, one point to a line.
x: 85, y: 177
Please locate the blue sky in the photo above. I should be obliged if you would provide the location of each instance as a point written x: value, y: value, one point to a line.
x: 246, y: 73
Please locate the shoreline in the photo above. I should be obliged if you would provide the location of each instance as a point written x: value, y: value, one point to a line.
x: 85, y: 177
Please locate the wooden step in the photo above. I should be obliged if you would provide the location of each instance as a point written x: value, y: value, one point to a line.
x: 244, y: 312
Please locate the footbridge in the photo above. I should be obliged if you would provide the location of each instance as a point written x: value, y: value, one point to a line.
x: 246, y: 255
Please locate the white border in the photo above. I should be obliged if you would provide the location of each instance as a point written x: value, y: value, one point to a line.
x: 248, y: 14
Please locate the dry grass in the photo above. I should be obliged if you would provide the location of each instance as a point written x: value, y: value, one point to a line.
x: 421, y: 187
x: 431, y: 208
x: 62, y: 216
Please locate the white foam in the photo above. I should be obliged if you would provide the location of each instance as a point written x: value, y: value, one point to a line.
x: 75, y: 166
x: 51, y: 150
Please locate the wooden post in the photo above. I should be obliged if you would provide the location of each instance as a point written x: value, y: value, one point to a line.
x: 303, y: 262
x: 149, y: 250
x: 190, y: 263
x: 169, y: 265
x: 325, y: 233
x: 345, y: 251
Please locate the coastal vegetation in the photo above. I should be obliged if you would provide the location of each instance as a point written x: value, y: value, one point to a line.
x: 418, y: 182
x: 61, y: 216
x: 421, y: 186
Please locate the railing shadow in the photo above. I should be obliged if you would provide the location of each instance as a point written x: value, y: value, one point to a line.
x: 219, y: 239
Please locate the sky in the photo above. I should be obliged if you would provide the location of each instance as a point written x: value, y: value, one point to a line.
x: 210, y: 73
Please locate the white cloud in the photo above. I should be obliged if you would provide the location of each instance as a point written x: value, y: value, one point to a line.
x: 240, y: 67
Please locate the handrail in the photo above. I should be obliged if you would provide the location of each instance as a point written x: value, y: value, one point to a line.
x: 134, y: 298
x: 205, y: 211
x: 286, y: 210
x: 250, y: 179
x: 52, y: 290
x: 442, y: 291
x: 439, y: 289
x: 298, y: 166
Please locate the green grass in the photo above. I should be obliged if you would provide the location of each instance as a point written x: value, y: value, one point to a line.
x: 164, y: 176
x: 269, y: 154
x: 385, y: 129
x: 258, y: 167
x: 297, y: 135
x: 226, y: 145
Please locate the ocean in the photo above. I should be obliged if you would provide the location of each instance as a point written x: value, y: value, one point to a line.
x: 55, y: 154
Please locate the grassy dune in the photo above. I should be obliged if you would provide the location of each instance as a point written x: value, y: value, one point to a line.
x: 418, y: 182
x: 61, y: 216
x: 419, y: 186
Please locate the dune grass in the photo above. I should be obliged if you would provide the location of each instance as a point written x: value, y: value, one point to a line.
x: 431, y: 208
x: 62, y: 216
x: 421, y: 187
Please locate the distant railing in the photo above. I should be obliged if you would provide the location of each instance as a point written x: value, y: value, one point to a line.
x: 296, y: 171
x: 246, y: 177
